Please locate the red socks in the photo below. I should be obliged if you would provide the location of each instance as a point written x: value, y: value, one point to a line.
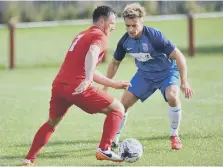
x: 111, y: 126
x: 40, y: 139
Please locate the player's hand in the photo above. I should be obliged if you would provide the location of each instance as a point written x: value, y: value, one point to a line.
x: 121, y: 84
x: 187, y: 90
x: 82, y: 87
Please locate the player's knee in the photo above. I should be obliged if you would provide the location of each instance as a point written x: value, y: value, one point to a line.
x: 172, y: 95
x: 126, y: 104
x: 54, y: 121
x: 119, y: 107
x: 173, y: 98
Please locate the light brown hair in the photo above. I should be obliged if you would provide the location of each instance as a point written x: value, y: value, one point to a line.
x: 133, y: 10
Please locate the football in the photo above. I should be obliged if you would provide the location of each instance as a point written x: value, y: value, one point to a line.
x: 130, y: 150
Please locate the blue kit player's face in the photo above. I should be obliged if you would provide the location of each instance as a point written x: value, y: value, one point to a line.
x: 134, y: 27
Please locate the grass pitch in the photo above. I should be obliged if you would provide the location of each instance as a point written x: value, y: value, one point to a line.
x: 25, y: 94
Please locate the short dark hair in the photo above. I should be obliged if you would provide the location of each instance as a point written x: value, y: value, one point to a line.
x: 104, y: 11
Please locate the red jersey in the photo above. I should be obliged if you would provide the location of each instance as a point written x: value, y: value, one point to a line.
x: 72, y: 71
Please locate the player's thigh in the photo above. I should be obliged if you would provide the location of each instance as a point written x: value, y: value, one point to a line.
x: 170, y: 87
x: 59, y: 105
x: 128, y: 99
x: 141, y: 88
x: 93, y: 100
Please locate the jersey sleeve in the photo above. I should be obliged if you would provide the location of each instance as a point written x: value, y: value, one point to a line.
x: 120, y: 51
x: 161, y: 43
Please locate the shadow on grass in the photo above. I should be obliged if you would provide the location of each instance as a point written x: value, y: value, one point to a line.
x: 42, y: 155
x: 184, y: 136
x: 88, y: 151
x: 76, y: 142
x: 152, y: 138
x: 95, y: 142
x: 55, y: 143
x: 51, y: 155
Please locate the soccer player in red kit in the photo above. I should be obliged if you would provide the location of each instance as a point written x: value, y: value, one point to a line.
x: 73, y: 86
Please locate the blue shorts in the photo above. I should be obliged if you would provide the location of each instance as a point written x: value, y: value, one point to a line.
x: 143, y: 87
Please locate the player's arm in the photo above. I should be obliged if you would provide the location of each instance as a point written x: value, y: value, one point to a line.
x: 182, y: 66
x: 163, y: 44
x: 103, y: 80
x: 91, y: 60
x: 113, y: 68
x: 118, y: 56
x: 107, y: 82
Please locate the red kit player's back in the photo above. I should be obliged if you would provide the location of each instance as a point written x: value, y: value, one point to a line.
x: 72, y: 70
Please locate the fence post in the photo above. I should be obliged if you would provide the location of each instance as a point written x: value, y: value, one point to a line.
x: 191, y: 49
x: 11, y: 27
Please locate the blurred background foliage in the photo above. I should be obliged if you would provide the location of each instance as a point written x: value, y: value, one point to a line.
x: 35, y: 11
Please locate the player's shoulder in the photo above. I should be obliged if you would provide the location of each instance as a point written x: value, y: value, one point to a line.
x: 124, y: 38
x: 150, y: 29
x: 95, y: 32
x: 152, y: 32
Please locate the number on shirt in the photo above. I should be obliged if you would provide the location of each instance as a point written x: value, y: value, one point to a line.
x: 75, y: 42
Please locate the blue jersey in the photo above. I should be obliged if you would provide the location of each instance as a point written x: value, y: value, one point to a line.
x: 151, y: 52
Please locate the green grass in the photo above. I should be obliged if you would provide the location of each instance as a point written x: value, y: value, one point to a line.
x: 25, y: 94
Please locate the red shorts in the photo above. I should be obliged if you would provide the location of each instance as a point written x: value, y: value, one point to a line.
x: 91, y: 101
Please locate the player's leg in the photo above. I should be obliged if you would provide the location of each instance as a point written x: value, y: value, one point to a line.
x: 40, y: 139
x: 114, y: 114
x: 128, y: 100
x: 140, y: 89
x: 172, y: 95
x: 58, y: 108
x: 171, y: 90
x: 95, y: 100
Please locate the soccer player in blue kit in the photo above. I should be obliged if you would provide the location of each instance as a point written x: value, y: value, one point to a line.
x: 160, y: 65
